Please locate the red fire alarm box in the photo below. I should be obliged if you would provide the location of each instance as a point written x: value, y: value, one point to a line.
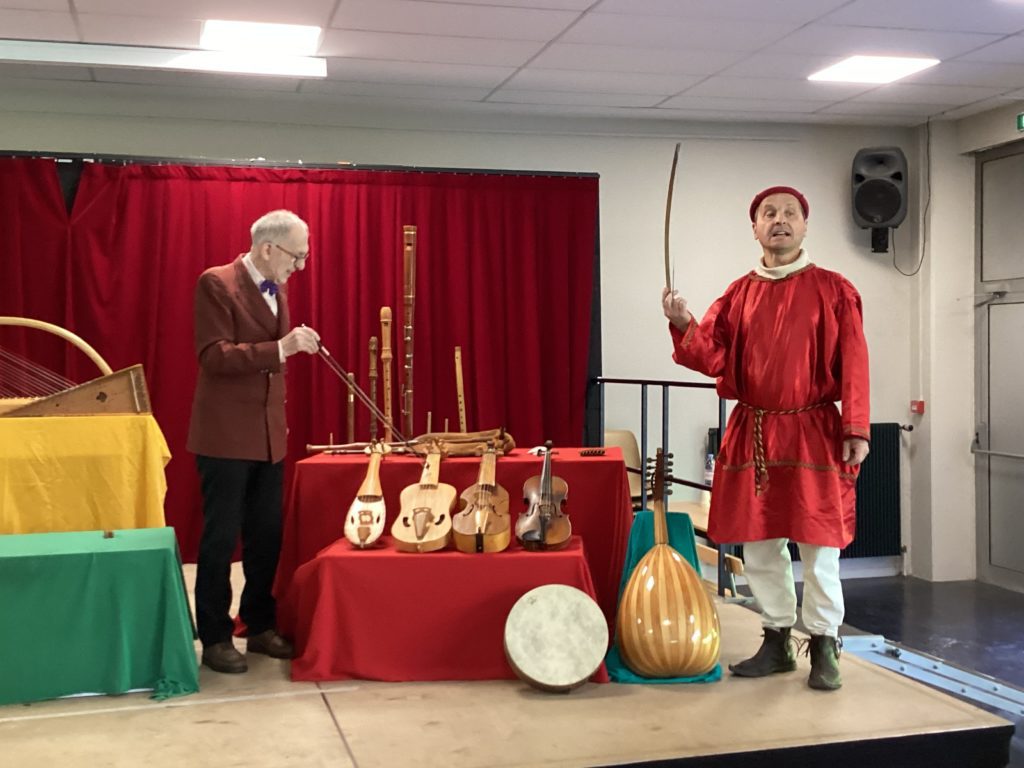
x: 917, y: 406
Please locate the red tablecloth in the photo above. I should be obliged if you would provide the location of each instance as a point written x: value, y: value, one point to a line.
x: 597, y: 504
x: 380, y: 614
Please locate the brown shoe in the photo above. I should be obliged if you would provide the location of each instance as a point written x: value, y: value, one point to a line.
x: 223, y: 657
x: 270, y: 643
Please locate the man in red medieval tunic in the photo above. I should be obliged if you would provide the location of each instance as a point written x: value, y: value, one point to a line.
x: 786, y: 341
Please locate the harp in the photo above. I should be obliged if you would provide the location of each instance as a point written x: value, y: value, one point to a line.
x: 27, y: 389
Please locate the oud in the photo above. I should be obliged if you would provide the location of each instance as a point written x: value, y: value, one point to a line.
x: 364, y: 522
x: 483, y: 524
x: 425, y: 521
x: 667, y: 625
x: 543, y: 525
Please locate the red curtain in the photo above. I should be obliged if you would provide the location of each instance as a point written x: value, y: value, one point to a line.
x: 504, y: 269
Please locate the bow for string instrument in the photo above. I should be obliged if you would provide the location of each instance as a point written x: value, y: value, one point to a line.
x: 425, y: 521
x: 483, y: 524
x: 544, y: 525
x: 668, y: 215
x: 364, y: 522
x: 667, y: 625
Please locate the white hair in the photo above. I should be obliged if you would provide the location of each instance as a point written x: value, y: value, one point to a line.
x: 275, y: 224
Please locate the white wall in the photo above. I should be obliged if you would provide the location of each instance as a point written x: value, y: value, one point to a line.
x: 721, y: 167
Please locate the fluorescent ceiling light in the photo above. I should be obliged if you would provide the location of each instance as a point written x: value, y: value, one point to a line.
x: 872, y: 69
x: 290, y: 39
x: 252, y: 63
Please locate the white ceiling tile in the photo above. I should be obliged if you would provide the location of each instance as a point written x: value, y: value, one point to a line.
x: 445, y: 50
x: 772, y: 88
x: 799, y: 11
x: 43, y: 72
x: 312, y: 12
x: 856, y: 107
x: 973, y: 109
x: 36, y: 5
x: 551, y: 5
x: 396, y: 90
x: 607, y: 82
x: 140, y: 30
x: 686, y: 101
x: 959, y: 72
x: 1007, y: 51
x: 195, y: 79
x: 575, y: 98
x: 1001, y: 16
x: 669, y: 32
x: 910, y: 93
x: 37, y: 25
x: 779, y: 65
x: 451, y: 19
x: 415, y: 73
x: 614, y: 58
x: 843, y: 41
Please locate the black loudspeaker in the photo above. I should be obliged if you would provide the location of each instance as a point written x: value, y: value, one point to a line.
x: 879, y: 187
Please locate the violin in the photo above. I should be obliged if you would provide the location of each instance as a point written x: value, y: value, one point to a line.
x: 364, y: 522
x: 425, y: 522
x: 544, y: 525
x: 483, y: 524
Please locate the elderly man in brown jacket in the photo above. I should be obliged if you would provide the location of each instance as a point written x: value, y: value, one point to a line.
x: 237, y: 432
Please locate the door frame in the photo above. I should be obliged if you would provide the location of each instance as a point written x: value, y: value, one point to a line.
x: 987, y: 294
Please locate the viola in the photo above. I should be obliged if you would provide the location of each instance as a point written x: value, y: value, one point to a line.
x: 483, y: 524
x: 543, y: 525
x: 425, y: 521
x: 364, y: 522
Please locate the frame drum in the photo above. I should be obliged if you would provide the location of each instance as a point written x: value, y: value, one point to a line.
x: 555, y: 637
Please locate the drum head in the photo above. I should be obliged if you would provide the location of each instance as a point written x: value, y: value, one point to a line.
x: 555, y: 637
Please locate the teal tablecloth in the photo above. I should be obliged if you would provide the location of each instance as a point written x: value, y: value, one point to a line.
x: 641, y: 539
x: 80, y: 613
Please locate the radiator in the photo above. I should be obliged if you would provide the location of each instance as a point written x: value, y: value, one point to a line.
x: 878, y: 497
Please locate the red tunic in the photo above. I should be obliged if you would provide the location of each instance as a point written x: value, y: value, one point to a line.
x: 790, y: 344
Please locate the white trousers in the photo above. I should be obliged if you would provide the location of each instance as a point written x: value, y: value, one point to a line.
x: 769, y: 571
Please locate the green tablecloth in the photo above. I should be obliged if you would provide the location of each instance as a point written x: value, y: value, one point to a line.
x: 80, y: 613
x: 641, y: 539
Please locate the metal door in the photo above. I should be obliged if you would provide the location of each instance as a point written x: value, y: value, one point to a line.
x: 999, y: 443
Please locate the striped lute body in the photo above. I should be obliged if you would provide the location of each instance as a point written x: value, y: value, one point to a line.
x: 667, y: 625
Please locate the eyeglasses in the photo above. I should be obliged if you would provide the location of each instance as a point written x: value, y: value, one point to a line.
x: 297, y: 258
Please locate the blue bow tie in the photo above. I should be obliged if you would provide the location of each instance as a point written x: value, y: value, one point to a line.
x: 268, y: 286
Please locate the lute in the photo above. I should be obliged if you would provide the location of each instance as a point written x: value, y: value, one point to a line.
x: 667, y: 625
x: 364, y: 522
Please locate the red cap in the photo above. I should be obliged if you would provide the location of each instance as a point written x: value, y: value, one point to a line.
x: 756, y: 202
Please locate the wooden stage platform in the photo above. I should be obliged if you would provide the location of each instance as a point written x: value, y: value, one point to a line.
x: 878, y: 720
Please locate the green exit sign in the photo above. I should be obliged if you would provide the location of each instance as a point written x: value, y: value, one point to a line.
x: 1020, y: 122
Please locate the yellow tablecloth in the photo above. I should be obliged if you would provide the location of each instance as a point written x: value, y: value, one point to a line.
x: 81, y: 473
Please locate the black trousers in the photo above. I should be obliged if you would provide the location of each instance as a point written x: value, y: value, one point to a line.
x: 239, y: 497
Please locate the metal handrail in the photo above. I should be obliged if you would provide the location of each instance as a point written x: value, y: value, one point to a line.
x: 644, y: 384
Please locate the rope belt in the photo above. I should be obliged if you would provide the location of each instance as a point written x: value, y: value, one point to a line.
x: 760, y: 463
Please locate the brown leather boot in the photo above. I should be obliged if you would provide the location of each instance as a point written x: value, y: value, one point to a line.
x: 270, y: 643
x: 824, y: 651
x: 223, y: 657
x: 776, y: 654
